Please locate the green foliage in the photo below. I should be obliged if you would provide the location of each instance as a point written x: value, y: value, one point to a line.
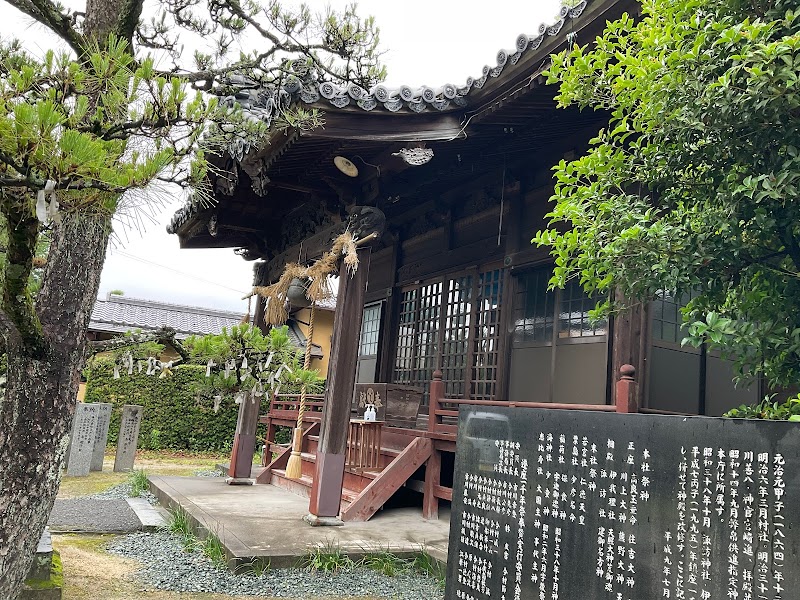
x: 328, y: 558
x: 179, y: 525
x: 212, y: 547
x: 384, y: 562
x: 272, y: 362
x: 769, y: 409
x: 423, y: 562
x: 693, y: 184
x: 172, y: 407
x: 139, y: 482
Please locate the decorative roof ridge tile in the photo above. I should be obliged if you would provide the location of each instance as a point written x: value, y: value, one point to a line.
x: 264, y: 102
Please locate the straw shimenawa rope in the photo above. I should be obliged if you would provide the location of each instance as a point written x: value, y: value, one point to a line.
x: 319, y: 289
x: 345, y: 247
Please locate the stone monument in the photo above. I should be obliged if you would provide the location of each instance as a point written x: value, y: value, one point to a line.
x: 81, y: 443
x: 101, y: 435
x: 566, y: 504
x: 128, y: 437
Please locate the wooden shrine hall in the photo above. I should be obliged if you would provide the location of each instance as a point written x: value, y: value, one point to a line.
x: 452, y: 297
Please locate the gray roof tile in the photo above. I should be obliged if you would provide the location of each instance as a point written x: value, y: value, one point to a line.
x: 118, y: 314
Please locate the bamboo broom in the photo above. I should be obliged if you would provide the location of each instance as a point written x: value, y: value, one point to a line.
x: 294, y: 468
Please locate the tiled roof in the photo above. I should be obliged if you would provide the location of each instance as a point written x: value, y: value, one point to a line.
x: 265, y: 102
x: 119, y: 314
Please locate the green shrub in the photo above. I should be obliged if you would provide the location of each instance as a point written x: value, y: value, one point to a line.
x: 139, y: 482
x: 769, y: 409
x: 328, y: 558
x: 175, y: 415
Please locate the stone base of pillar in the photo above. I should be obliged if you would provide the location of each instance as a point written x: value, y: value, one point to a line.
x: 316, y: 521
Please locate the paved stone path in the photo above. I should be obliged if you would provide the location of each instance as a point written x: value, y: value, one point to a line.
x: 93, y: 515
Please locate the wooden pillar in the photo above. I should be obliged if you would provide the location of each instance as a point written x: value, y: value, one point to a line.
x: 625, y: 391
x: 436, y: 395
x: 326, y: 492
x: 244, y: 440
x: 433, y: 472
x: 630, y: 345
x: 258, y: 315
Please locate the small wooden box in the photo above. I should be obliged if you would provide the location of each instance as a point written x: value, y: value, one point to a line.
x: 398, y: 405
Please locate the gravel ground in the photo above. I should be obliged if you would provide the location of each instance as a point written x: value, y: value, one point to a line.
x: 93, y: 515
x: 166, y: 566
x: 209, y: 473
x: 121, y: 492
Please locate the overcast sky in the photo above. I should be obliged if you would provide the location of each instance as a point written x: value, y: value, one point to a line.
x: 428, y: 43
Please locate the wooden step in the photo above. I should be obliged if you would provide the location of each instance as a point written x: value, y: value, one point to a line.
x: 302, y: 487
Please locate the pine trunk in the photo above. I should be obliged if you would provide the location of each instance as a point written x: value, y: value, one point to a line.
x: 36, y: 410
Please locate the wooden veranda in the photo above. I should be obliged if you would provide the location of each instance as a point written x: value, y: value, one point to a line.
x: 410, y: 458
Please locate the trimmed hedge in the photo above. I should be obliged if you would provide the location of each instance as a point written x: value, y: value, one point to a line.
x: 175, y: 415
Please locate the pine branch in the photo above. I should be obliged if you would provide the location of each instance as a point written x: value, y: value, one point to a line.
x: 162, y: 336
x: 47, y: 13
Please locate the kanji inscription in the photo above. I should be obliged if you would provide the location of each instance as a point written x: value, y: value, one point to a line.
x: 557, y: 505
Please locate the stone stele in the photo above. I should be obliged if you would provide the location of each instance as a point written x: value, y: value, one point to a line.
x: 81, y: 445
x: 128, y: 437
x: 101, y: 435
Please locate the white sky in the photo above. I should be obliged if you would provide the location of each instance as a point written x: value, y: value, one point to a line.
x: 428, y: 43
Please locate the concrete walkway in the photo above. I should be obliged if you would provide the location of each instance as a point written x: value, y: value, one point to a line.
x: 264, y: 522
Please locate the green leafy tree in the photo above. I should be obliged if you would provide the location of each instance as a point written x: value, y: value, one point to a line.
x: 693, y: 185
x: 93, y: 134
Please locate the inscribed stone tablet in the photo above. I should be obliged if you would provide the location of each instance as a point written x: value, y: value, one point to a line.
x: 101, y: 435
x: 561, y: 505
x: 81, y: 445
x: 128, y: 437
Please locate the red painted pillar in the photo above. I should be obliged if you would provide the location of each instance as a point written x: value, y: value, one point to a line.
x: 625, y: 391
x: 436, y: 396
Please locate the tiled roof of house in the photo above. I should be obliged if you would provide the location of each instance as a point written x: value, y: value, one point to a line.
x: 118, y: 314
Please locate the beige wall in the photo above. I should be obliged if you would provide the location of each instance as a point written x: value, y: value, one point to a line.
x: 323, y: 333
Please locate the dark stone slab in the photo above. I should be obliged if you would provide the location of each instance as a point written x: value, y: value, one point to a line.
x: 128, y: 437
x: 564, y: 505
x: 93, y: 515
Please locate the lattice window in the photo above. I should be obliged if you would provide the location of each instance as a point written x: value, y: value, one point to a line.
x: 573, y: 316
x: 455, y: 346
x: 430, y: 302
x: 417, y: 336
x: 486, y: 348
x: 667, y: 318
x: 453, y: 325
x: 534, y: 310
x: 404, y: 358
x: 370, y: 329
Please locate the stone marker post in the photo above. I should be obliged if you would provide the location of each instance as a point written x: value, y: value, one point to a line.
x: 101, y: 435
x: 81, y: 444
x: 128, y: 437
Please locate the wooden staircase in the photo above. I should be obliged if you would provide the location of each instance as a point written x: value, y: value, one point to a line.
x: 364, y: 491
